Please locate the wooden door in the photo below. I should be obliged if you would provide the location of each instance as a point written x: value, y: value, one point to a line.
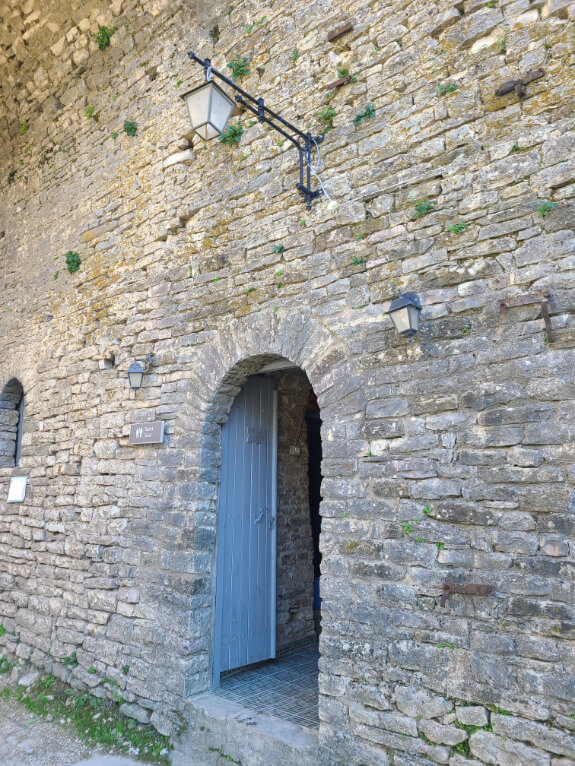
x: 246, y: 542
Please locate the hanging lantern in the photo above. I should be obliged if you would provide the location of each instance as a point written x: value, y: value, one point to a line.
x: 209, y: 108
x: 137, y: 370
x: 404, y: 313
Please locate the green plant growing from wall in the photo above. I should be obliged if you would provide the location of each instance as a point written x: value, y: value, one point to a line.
x: 294, y: 55
x: 278, y: 249
x: 545, y: 207
x: 104, y: 36
x: 458, y: 228
x: 446, y: 87
x: 72, y: 660
x: 367, y: 114
x: 466, y: 331
x: 2, y: 630
x: 130, y: 127
x: 326, y: 117
x: 407, y: 527
x: 358, y: 261
x: 343, y: 72
x: 73, y: 261
x: 423, y: 207
x: 240, y: 67
x: 24, y: 127
x: 114, y: 134
x: 5, y: 665
x: 250, y: 27
x: 232, y: 134
x: 89, y: 111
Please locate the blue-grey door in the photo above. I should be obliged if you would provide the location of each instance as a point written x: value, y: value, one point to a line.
x: 246, y: 542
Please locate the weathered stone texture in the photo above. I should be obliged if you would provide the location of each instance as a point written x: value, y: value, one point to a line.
x: 450, y: 458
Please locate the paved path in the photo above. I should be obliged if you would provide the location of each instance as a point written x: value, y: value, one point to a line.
x: 28, y: 740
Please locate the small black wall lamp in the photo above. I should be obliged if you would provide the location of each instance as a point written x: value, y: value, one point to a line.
x: 210, y: 109
x: 404, y: 313
x: 137, y: 370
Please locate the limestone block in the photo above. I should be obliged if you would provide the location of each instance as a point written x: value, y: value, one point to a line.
x: 418, y: 702
x: 471, y: 27
x: 186, y: 157
x: 29, y: 678
x: 556, y: 8
x: 380, y: 205
x: 136, y: 712
x: 537, y: 734
x: 553, y: 545
x: 473, y: 715
x: 444, y: 20
x: 443, y: 735
x: 529, y: 17
x: 58, y: 47
x: 548, y: 246
x: 549, y: 178
x: 497, y: 751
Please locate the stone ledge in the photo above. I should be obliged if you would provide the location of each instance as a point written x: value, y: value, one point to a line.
x: 216, y: 725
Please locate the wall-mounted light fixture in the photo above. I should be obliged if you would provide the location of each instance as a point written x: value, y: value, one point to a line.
x: 404, y: 312
x: 137, y: 370
x: 210, y: 108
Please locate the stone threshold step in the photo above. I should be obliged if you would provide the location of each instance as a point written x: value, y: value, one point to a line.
x: 217, y: 727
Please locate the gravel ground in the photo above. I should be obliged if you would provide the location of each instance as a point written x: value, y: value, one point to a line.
x: 27, y: 740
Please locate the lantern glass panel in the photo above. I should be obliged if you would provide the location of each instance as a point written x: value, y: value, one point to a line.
x: 221, y: 109
x: 414, y: 313
x: 135, y: 376
x: 400, y: 319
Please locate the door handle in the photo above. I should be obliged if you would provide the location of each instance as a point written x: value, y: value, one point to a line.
x: 260, y: 516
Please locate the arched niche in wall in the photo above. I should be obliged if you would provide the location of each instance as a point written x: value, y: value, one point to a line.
x: 11, y: 421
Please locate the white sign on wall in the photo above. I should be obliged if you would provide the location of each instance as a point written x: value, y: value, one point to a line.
x: 147, y: 433
x: 17, y: 491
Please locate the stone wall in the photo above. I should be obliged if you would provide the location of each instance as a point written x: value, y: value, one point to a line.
x: 450, y: 459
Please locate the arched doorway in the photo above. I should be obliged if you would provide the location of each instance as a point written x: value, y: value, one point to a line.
x: 268, y: 557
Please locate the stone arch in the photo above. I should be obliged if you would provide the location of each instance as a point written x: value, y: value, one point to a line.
x: 219, y: 370
x: 11, y: 422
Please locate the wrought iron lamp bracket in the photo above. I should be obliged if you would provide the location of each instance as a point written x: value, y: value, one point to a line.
x: 304, y: 142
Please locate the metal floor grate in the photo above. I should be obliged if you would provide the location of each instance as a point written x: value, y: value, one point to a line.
x: 286, y: 687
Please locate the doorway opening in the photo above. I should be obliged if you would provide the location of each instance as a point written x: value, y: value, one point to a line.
x: 268, y: 603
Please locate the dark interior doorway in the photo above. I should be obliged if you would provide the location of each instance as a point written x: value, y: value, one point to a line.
x: 313, y: 421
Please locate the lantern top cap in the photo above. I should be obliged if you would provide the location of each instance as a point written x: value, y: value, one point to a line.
x: 141, y: 364
x: 206, y: 84
x: 405, y: 299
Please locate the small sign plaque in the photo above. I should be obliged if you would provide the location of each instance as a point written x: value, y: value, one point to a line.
x: 17, y: 490
x: 147, y: 433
